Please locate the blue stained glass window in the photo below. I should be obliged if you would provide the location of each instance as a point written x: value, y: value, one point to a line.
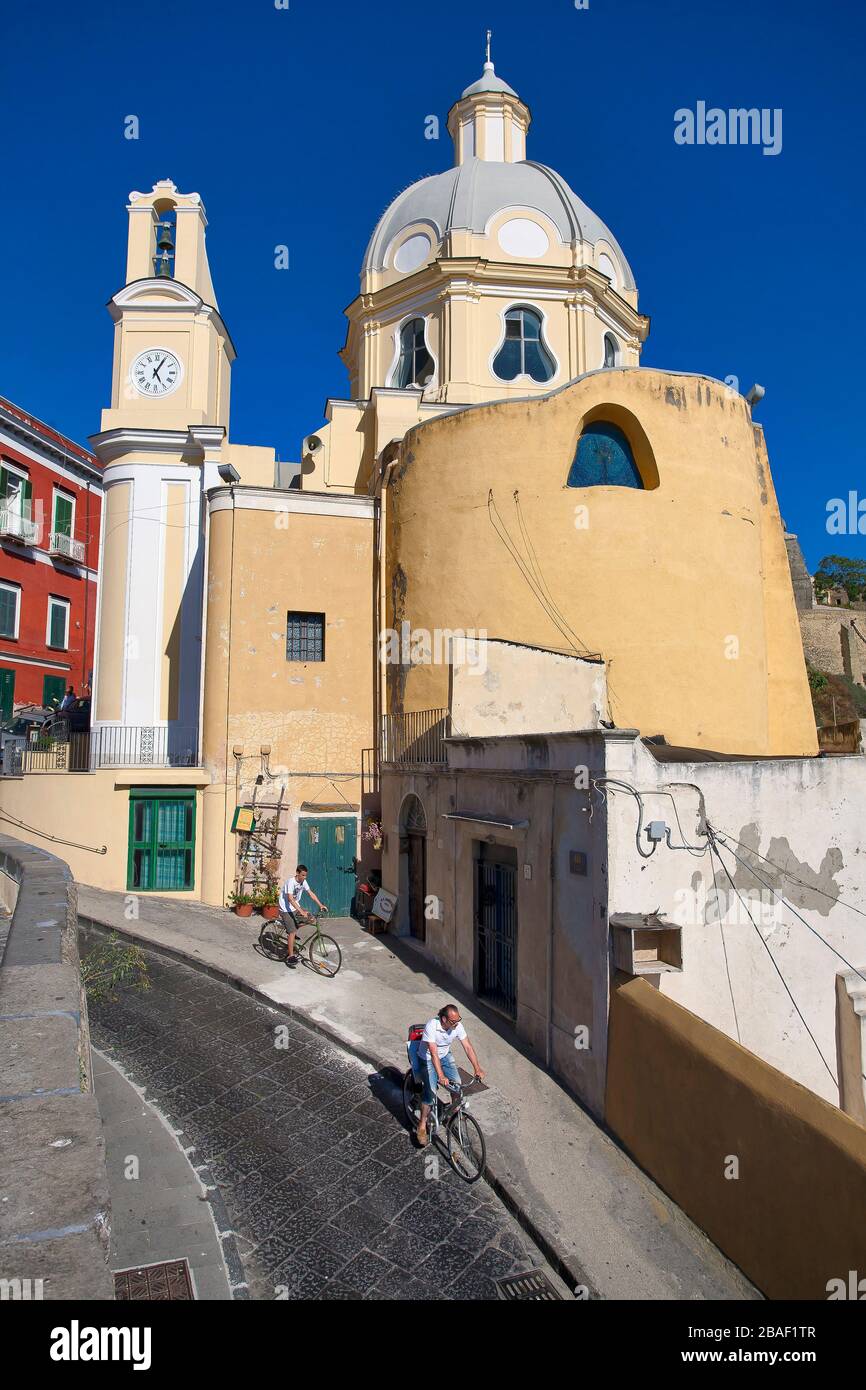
x: 603, y: 456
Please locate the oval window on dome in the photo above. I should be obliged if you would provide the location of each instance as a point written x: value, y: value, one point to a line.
x: 414, y: 252
x: 607, y: 267
x: 521, y: 237
x: 523, y: 352
x: 603, y: 458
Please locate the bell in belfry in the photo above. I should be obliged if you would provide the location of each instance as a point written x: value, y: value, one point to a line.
x: 165, y: 242
x: 163, y: 266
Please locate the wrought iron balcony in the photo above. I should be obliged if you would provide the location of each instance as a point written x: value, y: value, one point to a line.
x: 17, y: 525
x: 66, y: 547
x: 415, y: 738
x: 60, y: 750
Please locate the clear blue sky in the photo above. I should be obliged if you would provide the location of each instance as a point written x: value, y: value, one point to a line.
x: 749, y: 265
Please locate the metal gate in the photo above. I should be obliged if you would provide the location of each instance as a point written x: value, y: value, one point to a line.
x: 496, y: 927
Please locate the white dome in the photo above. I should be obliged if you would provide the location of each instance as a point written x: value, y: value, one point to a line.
x: 467, y: 196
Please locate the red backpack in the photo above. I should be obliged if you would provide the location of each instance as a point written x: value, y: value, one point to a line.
x: 416, y: 1032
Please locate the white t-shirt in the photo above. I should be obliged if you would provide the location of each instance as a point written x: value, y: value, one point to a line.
x: 292, y: 888
x: 442, y: 1037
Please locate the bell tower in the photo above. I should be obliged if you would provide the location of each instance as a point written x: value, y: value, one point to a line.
x: 161, y: 446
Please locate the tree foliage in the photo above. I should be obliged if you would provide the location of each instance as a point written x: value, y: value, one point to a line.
x: 841, y: 572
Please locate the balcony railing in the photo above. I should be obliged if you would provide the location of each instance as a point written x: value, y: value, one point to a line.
x: 17, y: 525
x: 66, y: 547
x: 109, y: 746
x: 417, y: 737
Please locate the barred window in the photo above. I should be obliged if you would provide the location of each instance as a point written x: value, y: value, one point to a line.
x: 305, y: 637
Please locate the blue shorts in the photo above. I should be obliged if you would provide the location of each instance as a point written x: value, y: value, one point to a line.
x: 425, y: 1072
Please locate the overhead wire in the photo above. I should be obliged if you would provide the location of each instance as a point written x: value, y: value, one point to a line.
x: 775, y: 965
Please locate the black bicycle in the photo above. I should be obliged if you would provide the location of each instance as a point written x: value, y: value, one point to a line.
x: 323, y: 953
x: 464, y: 1139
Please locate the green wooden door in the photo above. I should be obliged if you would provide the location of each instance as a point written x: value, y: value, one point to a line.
x: 53, y: 689
x: 161, y: 840
x: 7, y: 693
x: 326, y: 844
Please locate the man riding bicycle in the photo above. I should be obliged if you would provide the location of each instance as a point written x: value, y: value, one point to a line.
x: 434, y: 1063
x: 291, y: 912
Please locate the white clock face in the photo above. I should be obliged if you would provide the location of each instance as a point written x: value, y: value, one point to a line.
x: 156, y: 372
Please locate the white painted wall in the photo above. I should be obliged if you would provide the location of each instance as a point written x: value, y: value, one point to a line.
x: 806, y: 815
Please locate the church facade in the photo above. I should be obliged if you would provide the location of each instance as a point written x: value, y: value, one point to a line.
x: 508, y: 530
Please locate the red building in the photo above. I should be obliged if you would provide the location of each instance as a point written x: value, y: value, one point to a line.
x: 50, y: 508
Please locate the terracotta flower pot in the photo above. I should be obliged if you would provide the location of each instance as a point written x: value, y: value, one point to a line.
x: 244, y: 909
x: 270, y: 910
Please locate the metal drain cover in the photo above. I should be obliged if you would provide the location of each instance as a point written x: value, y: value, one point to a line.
x: 160, y: 1283
x: 534, y: 1286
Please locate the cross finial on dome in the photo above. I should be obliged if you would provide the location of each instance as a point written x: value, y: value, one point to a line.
x: 488, y: 63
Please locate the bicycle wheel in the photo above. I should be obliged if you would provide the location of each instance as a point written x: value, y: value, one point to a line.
x: 325, y: 955
x: 411, y: 1099
x: 272, y: 940
x: 467, y: 1152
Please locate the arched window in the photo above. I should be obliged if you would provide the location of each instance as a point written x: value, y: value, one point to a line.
x: 603, y: 456
x: 522, y: 352
x: 415, y: 366
x: 611, y: 351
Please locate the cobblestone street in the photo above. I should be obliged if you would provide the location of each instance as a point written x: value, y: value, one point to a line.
x: 323, y: 1188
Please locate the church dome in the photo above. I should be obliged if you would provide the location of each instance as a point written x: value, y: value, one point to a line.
x: 470, y: 194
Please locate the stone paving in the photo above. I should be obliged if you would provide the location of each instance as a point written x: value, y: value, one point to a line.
x: 325, y: 1191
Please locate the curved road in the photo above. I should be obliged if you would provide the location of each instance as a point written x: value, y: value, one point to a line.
x: 320, y: 1192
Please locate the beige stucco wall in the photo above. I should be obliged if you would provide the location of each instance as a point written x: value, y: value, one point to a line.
x: 562, y: 971
x: 76, y: 815
x: 684, y: 588
x: 270, y: 553
x: 687, y: 1101
x: 500, y: 687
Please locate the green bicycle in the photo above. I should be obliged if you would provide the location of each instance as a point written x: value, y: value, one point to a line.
x: 323, y: 954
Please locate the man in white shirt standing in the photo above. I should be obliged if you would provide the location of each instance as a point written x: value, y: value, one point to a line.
x: 291, y: 911
x: 436, y: 1062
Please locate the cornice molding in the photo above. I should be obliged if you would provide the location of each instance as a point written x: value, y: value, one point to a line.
x: 134, y: 298
x: 195, y: 440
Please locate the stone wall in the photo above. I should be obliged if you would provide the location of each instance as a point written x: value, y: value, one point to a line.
x: 833, y: 643
x: 54, y: 1219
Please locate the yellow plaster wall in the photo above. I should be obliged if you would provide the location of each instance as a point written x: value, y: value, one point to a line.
x: 75, y: 815
x: 682, y: 588
x: 316, y: 717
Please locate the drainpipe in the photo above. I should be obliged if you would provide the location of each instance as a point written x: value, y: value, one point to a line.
x: 548, y: 1050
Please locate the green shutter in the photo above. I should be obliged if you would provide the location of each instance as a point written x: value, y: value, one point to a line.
x: 26, y: 498
x: 57, y: 636
x: 4, y: 483
x: 53, y: 690
x: 8, y: 605
x: 161, y: 840
x: 62, y: 515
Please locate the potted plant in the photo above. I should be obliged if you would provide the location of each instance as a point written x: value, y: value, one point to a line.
x: 268, y: 901
x: 241, y: 903
x: 373, y: 833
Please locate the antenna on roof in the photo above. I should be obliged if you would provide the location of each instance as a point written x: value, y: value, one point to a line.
x: 489, y: 37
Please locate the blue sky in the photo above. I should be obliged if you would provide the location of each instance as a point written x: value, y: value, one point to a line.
x: 749, y: 265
